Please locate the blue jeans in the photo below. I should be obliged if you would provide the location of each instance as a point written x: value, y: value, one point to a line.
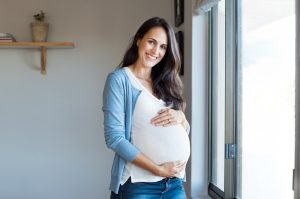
x: 168, y: 188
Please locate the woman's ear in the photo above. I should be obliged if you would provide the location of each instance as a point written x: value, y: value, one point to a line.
x: 138, y: 42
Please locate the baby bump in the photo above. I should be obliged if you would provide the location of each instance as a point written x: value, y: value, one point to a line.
x: 163, y: 144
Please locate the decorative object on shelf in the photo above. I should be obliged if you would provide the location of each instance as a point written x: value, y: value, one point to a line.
x: 179, y: 12
x: 7, y: 37
x: 39, y: 28
x: 43, y: 47
x: 179, y: 38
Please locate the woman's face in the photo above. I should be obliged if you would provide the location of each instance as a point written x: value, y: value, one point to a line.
x: 152, y: 47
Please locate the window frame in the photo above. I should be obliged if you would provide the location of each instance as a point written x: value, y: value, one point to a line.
x: 232, y: 37
x: 231, y: 94
x: 296, y: 180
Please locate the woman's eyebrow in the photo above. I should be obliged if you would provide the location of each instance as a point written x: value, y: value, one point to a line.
x: 156, y: 41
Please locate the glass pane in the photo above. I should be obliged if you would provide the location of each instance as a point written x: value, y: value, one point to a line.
x: 218, y: 97
x: 267, y: 99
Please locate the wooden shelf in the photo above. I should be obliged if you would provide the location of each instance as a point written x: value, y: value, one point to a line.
x: 41, y: 45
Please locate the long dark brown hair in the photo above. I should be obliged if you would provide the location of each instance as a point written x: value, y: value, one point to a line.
x: 167, y: 84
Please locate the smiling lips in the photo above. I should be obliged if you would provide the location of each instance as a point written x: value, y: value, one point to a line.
x: 151, y: 56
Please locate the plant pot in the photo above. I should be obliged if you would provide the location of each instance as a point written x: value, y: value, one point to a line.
x: 39, y: 31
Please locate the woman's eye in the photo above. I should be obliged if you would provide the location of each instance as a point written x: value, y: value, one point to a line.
x: 164, y: 47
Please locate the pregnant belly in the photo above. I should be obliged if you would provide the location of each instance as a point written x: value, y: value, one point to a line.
x: 163, y: 144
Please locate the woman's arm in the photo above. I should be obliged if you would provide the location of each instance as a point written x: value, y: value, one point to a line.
x: 114, y: 119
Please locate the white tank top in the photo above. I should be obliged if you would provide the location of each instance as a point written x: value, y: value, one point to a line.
x: 160, y: 144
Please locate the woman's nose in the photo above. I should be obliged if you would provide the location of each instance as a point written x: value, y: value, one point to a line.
x: 155, y: 49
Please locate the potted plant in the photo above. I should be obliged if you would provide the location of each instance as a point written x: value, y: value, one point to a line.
x: 39, y: 28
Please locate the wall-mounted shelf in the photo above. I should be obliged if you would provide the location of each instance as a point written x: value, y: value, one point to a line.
x: 43, y: 47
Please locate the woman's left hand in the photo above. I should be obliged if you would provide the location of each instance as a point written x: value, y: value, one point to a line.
x: 168, y: 117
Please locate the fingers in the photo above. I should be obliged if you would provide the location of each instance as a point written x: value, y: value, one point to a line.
x: 180, y: 162
x: 165, y: 117
x: 170, y: 123
x: 180, y: 165
x: 173, y: 168
x: 162, y: 120
x: 162, y: 114
x: 164, y: 110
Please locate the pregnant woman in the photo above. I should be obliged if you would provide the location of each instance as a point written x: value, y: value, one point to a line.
x: 144, y: 123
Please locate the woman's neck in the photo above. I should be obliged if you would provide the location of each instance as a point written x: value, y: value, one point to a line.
x: 140, y: 72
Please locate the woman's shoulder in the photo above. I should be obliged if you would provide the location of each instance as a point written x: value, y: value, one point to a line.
x: 119, y: 74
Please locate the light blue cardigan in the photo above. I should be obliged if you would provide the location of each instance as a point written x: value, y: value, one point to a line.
x: 119, y: 99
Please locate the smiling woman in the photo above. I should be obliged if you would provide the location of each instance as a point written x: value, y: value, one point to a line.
x: 151, y: 49
x: 144, y: 122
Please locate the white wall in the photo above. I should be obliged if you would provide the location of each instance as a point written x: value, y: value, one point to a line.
x: 199, y: 110
x: 51, y: 136
x: 196, y: 83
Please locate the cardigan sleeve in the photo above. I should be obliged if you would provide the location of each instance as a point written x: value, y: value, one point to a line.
x: 114, y: 119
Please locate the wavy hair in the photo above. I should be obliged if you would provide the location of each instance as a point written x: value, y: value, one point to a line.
x: 167, y: 84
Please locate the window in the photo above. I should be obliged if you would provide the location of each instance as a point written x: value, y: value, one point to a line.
x: 267, y: 95
x: 252, y: 99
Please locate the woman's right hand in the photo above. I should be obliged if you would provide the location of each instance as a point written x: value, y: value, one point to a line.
x: 171, y: 169
x: 167, y: 170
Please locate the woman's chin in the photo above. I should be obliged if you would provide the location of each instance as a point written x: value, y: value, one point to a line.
x: 152, y: 64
